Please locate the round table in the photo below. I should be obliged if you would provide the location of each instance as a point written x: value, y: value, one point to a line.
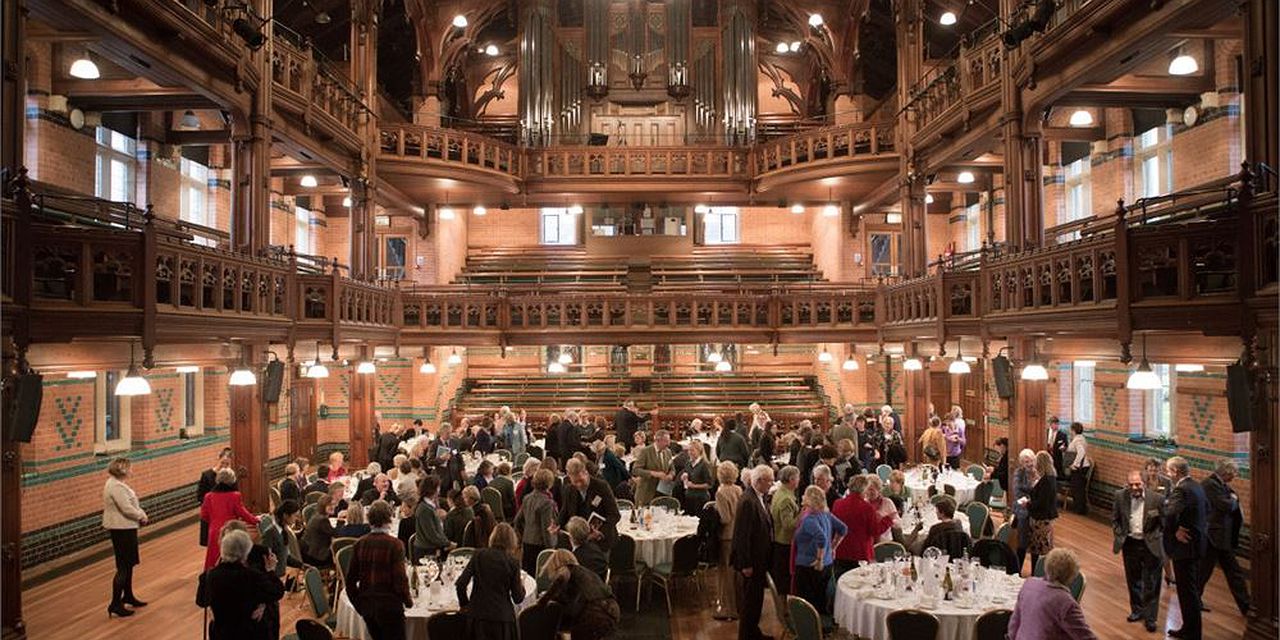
x: 471, y: 462
x: 963, y: 482
x: 441, y: 599
x: 863, y: 613
x: 654, y: 545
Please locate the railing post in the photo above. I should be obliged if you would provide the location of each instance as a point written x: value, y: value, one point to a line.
x: 147, y: 280
x: 1124, y: 272
x: 334, y: 309
x: 1249, y: 251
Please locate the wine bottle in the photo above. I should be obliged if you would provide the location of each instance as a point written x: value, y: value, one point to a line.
x: 947, y: 585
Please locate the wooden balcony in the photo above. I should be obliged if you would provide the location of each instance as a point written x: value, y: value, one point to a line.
x: 864, y: 147
x: 311, y: 91
x: 556, y: 169
x: 411, y: 152
x: 950, y: 96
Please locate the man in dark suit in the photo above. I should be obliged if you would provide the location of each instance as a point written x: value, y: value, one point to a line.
x: 731, y: 446
x: 585, y: 550
x: 376, y: 581
x: 1056, y: 441
x: 1225, y: 519
x: 1186, y: 538
x: 568, y: 437
x: 1136, y: 522
x: 628, y: 421
x: 752, y: 540
x: 320, y: 484
x: 584, y: 495
x: 388, y: 446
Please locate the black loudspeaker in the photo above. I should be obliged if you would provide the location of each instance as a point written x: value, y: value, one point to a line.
x: 1002, y: 372
x: 1240, y: 398
x: 597, y: 140
x: 274, y: 379
x: 28, y: 389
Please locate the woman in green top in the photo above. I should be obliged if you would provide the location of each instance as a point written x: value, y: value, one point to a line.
x: 784, y: 510
x: 697, y: 479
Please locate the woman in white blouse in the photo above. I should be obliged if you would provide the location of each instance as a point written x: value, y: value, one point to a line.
x: 1079, y: 448
x: 121, y: 517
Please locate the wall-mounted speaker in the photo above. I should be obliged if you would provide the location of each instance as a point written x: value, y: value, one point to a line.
x: 1002, y: 372
x: 1240, y: 397
x: 273, y: 381
x: 28, y: 389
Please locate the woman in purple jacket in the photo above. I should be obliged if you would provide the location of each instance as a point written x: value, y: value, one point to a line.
x: 1046, y: 610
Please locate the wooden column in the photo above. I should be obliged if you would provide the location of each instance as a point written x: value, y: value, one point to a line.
x: 10, y: 507
x: 910, y: 44
x: 1027, y: 420
x: 1261, y: 90
x: 360, y: 419
x: 1261, y: 622
x: 915, y: 385
x: 364, y: 62
x: 13, y: 102
x: 249, y: 428
x: 251, y: 156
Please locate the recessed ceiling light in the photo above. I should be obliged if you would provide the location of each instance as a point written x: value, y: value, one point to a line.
x: 309, y: 181
x: 460, y: 21
x: 947, y: 18
x: 781, y: 48
x: 479, y: 210
x: 831, y: 210
x: 491, y: 50
x: 795, y: 46
x: 815, y: 20
x: 797, y: 208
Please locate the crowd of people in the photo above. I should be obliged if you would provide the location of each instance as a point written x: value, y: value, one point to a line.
x: 797, y: 509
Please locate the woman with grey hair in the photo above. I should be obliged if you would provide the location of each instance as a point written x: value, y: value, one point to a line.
x: 222, y: 505
x: 239, y: 594
x: 1046, y: 608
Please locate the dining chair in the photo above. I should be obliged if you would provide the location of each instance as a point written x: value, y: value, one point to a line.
x: 780, y: 607
x: 1077, y: 586
x: 493, y: 498
x: 622, y: 563
x: 540, y: 622
x: 949, y: 489
x: 466, y: 552
x: 342, y: 562
x: 804, y: 619
x: 684, y: 564
x: 1004, y: 533
x: 912, y: 624
x: 666, y: 502
x: 308, y: 629
x: 884, y: 471
x: 504, y: 454
x: 449, y: 624
x: 307, y: 512
x: 977, y: 472
x: 312, y: 497
x: 520, y: 460
x: 992, y: 553
x: 992, y: 625
x: 979, y: 514
x: 887, y: 550
x: 543, y: 557
x: 625, y: 505
x: 319, y: 597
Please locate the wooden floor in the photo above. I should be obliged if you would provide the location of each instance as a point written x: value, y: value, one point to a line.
x: 73, y: 607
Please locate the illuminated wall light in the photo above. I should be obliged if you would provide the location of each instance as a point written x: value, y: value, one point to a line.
x: 893, y: 217
x: 714, y: 357
x: 366, y: 367
x: 575, y: 209
x: 1188, y: 368
x: 797, y: 208
x: 565, y: 358
x: 1081, y: 118
x: 427, y: 367
x: 460, y: 21
x: 815, y: 20
x: 479, y: 210
x: 965, y: 177
x: 82, y: 375
x: 947, y: 18
x: 700, y: 208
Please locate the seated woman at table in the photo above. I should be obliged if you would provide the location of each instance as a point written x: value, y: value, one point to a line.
x: 355, y: 525
x: 1045, y: 609
x: 337, y: 469
x: 948, y: 534
x: 536, y: 514
x: 376, y: 580
x: 318, y: 533
x: 614, y: 471
x: 407, y: 523
x: 484, y: 475
x: 498, y: 583
x: 482, y: 525
x: 590, y: 611
x: 813, y: 548
x: 898, y: 491
x: 337, y: 497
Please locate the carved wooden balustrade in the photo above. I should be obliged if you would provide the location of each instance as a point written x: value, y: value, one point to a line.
x: 912, y: 301
x: 966, y: 84
x: 825, y: 145
x: 658, y: 162
x: 190, y: 278
x: 450, y: 147
x: 1075, y: 274
x: 317, y: 93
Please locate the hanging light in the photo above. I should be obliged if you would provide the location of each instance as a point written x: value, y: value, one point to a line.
x: 1143, y: 378
x: 133, y: 384
x: 84, y: 68
x: 460, y: 21
x: 454, y: 358
x: 427, y: 367
x: 189, y: 121
x: 317, y: 370
x: 479, y: 210
x: 714, y: 357
x: 723, y: 366
x: 912, y: 364
x: 82, y: 375
x: 575, y: 209
x: 1183, y: 64
x: 831, y: 210
x: 565, y: 358
x: 243, y: 376
x: 309, y: 181
x: 893, y: 217
x: 824, y: 356
x: 366, y: 366
x: 556, y: 367
x: 797, y: 208
x: 447, y: 213
x: 850, y: 363
x: 815, y: 20
x: 795, y: 46
x: 1081, y: 118
x: 958, y: 366
x: 947, y: 18
x: 491, y: 50
x: 1034, y: 371
x: 1188, y: 368
x: 781, y: 48
x: 965, y: 177
x: 700, y: 208
x: 928, y: 198
x: 346, y: 202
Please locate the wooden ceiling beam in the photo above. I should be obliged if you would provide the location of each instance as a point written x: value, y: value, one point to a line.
x: 1074, y: 134
x: 202, y: 137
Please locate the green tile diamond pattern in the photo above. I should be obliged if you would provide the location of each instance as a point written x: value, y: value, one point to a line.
x: 388, y: 388
x: 164, y: 409
x: 1202, y: 417
x: 1109, y: 403
x: 69, y: 421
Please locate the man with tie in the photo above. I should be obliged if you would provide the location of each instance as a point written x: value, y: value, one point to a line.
x: 1056, y: 442
x: 1225, y: 519
x: 628, y: 420
x: 749, y: 555
x: 1136, y: 519
x: 652, y: 466
x: 1186, y: 537
x: 592, y: 500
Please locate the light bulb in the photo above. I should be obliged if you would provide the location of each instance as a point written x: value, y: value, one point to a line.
x: 447, y: 213
x: 947, y: 18
x: 824, y: 356
x: 189, y: 121
x: 565, y: 358
x: 958, y: 367
x: 831, y: 210
x: 308, y: 181
x: 82, y: 375
x: 928, y: 198
x: 427, y: 367
x: 1035, y: 371
x: 346, y: 202
x: 454, y: 358
x: 133, y: 384
x: 556, y: 367
x: 797, y: 208
x: 1080, y: 118
x: 575, y: 209
x: 1188, y: 368
x: 850, y: 363
x: 723, y: 366
x: 714, y: 357
x: 491, y: 50
x: 479, y: 210
x: 85, y: 69
x: 781, y: 48
x: 243, y: 377
x: 460, y: 21
x: 318, y: 370
x: 795, y: 46
x: 1183, y: 65
x: 965, y: 177
x: 815, y: 20
x: 366, y: 367
x: 912, y: 364
x: 1143, y: 378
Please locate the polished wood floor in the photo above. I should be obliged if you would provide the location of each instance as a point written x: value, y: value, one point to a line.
x: 73, y: 606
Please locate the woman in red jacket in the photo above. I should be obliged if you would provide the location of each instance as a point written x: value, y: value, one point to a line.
x: 221, y: 506
x: 864, y: 523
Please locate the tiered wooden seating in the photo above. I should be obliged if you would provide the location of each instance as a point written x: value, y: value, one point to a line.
x: 543, y: 268
x: 736, y: 266
x: 681, y: 395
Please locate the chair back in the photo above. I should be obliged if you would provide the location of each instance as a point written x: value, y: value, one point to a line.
x: 275, y: 496
x: 543, y: 557
x: 805, y: 621
x: 450, y: 624
x: 307, y: 512
x: 997, y: 489
x: 540, y: 622
x: 493, y: 498
x: 978, y: 514
x: 982, y: 492
x: 949, y: 489
x: 779, y: 606
x: 316, y: 593
x: 1077, y: 587
x: 1038, y: 570
x: 994, y: 554
x: 884, y: 471
x: 516, y: 476
x: 312, y: 497
x: 338, y: 543
x: 308, y: 629
x: 295, y: 547
x: 977, y: 472
x: 888, y: 550
x: 666, y: 502
x: 342, y: 560
x: 912, y: 624
x: 520, y: 460
x: 684, y: 555
x: 624, y: 505
x: 992, y: 625
x: 504, y: 454
x: 935, y: 498
x: 462, y: 552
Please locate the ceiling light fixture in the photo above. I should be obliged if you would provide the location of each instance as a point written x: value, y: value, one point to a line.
x: 366, y: 367
x: 556, y: 367
x: 346, y: 202
x: 575, y: 209
x: 700, y: 208
x: 1034, y: 370
x: 187, y: 368
x: 427, y: 366
x: 565, y: 357
x: 797, y: 208
x: 723, y: 366
x: 781, y: 48
x: 958, y: 366
x: 491, y: 50
x: 189, y: 121
x: 893, y: 217
x: 1188, y: 368
x: 454, y: 358
x: 815, y: 20
x: 447, y: 213
x: 714, y: 357
x: 1183, y: 64
x: 1143, y: 378
x: 912, y: 364
x: 82, y: 375
x: 309, y: 181
x: 965, y: 177
x: 824, y: 356
x: 851, y: 363
x: 460, y: 21
x: 1080, y: 118
x: 947, y: 18
x: 133, y: 384
x: 479, y: 210
x: 84, y: 68
x: 928, y: 198
x: 831, y: 210
x: 795, y: 46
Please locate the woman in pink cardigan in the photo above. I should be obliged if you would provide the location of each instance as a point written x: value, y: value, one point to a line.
x: 221, y: 506
x: 1046, y: 609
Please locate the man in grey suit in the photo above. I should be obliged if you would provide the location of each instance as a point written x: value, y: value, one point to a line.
x: 1225, y: 519
x: 1136, y: 521
x: 1186, y: 538
x: 652, y: 466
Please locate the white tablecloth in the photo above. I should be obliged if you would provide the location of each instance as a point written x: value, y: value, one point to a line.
x: 654, y: 546
x: 472, y: 463
x: 963, y: 482
x: 443, y: 598
x: 863, y: 613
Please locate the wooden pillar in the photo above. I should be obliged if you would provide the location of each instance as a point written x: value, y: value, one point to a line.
x: 11, y: 622
x: 1027, y: 421
x: 360, y: 420
x: 13, y: 102
x: 364, y: 62
x: 915, y: 385
x: 1261, y: 64
x: 249, y: 428
x: 1261, y: 622
x: 910, y: 44
x: 251, y: 156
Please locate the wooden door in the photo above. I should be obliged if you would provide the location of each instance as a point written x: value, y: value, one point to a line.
x: 940, y: 392
x: 971, y: 402
x: 302, y: 418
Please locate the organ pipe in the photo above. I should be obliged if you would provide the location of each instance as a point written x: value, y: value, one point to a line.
x: 739, y: 94
x: 537, y: 77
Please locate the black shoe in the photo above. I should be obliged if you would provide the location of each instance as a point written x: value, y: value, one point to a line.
x: 1133, y: 617
x: 1176, y: 633
x: 118, y: 610
x: 1205, y: 608
x: 134, y: 602
x: 1151, y: 626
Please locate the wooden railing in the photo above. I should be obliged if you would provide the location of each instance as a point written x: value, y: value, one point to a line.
x: 311, y: 88
x: 969, y: 80
x: 666, y: 162
x: 825, y: 145
x: 916, y: 300
x: 197, y: 279
x: 449, y: 146
x: 1073, y: 274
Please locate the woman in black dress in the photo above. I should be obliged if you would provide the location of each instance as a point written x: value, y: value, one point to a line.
x: 590, y: 610
x: 1042, y: 508
x: 498, y: 585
